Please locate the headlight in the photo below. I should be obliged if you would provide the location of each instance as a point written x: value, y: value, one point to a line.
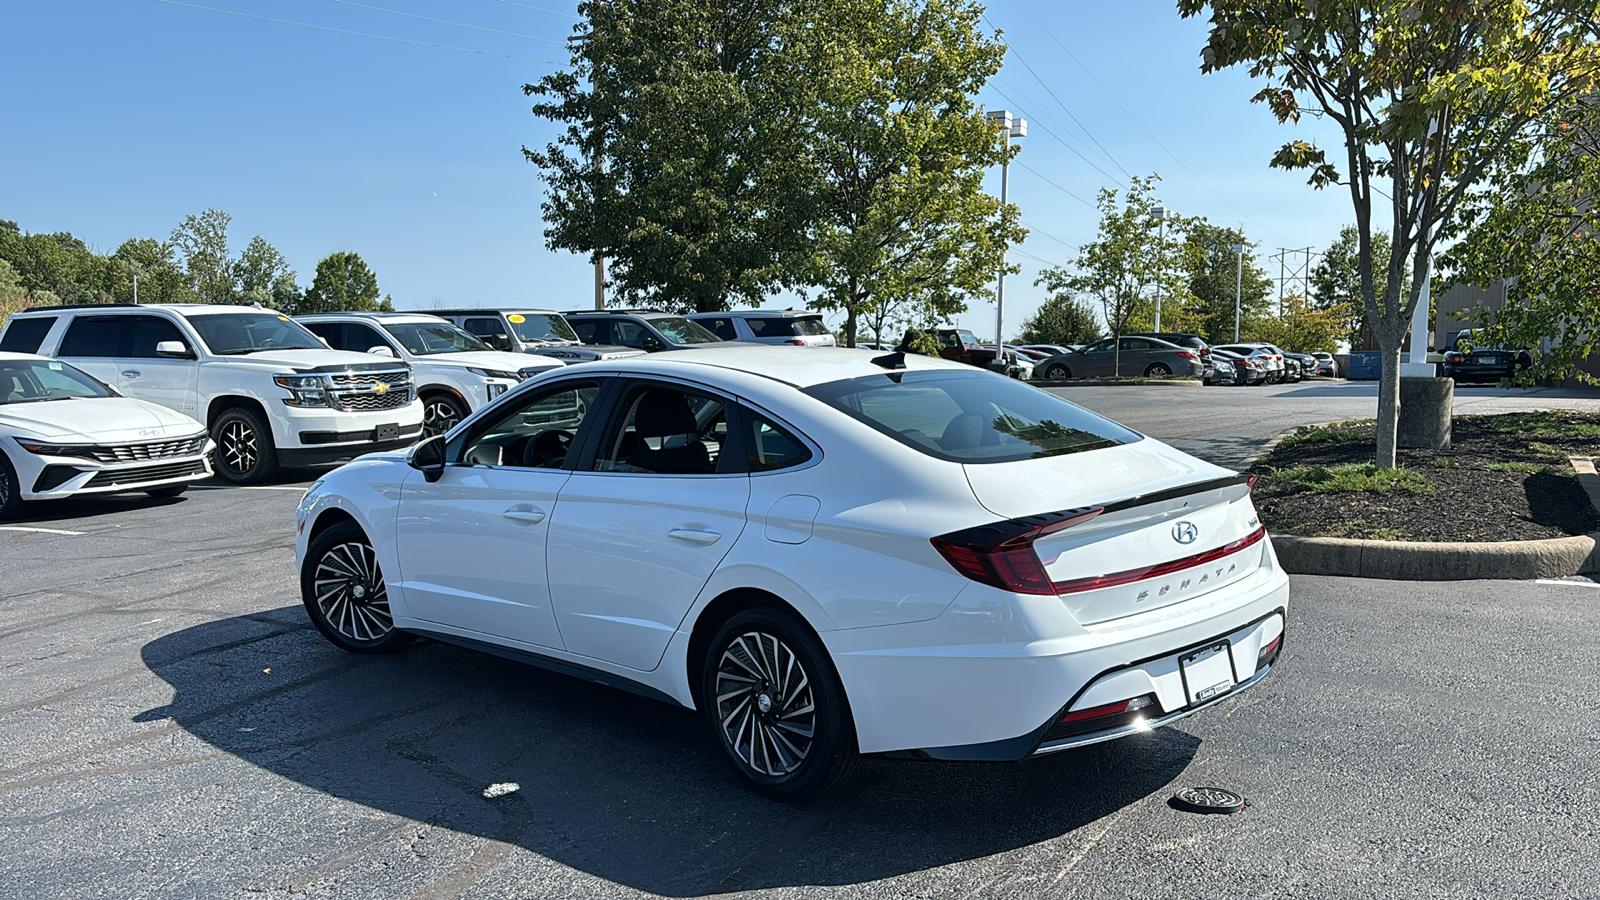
x: 52, y: 449
x: 495, y: 373
x: 304, y: 390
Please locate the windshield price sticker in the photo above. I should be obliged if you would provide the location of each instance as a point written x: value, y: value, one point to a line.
x: 516, y: 319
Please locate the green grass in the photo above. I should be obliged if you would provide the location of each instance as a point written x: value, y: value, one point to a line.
x: 1442, y: 462
x: 1548, y: 423
x: 1350, y: 478
x: 1337, y: 433
x: 1517, y: 467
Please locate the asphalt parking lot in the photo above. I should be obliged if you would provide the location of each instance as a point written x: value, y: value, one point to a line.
x: 172, y: 726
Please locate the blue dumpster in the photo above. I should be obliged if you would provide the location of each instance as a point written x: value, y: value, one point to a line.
x: 1365, y: 366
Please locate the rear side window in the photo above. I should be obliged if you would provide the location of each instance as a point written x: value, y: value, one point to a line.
x: 722, y: 327
x: 770, y: 328
x: 26, y: 335
x: 971, y: 417
x: 98, y: 336
x: 770, y: 447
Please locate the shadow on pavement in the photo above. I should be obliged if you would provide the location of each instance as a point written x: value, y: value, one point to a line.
x: 625, y: 788
x: 79, y: 508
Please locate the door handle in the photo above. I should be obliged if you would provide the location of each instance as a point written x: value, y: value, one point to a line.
x: 695, y: 536
x: 131, y: 373
x: 525, y: 516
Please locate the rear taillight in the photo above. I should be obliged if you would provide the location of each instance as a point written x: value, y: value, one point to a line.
x: 1250, y: 482
x: 795, y: 341
x: 1269, y: 652
x: 1453, y: 357
x: 1187, y: 355
x: 1110, y: 709
x: 1001, y: 555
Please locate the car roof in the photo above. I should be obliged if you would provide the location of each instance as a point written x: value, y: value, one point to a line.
x: 641, y: 313
x: 485, y: 311
x: 745, y: 313
x: 376, y: 316
x: 799, y: 368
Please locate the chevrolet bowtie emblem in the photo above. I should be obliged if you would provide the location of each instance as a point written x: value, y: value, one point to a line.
x: 380, y: 387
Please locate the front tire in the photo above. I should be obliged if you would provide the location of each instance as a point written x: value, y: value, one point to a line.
x: 344, y: 593
x: 245, y: 452
x: 10, y: 489
x: 440, y: 413
x: 776, y: 707
x: 1057, y: 373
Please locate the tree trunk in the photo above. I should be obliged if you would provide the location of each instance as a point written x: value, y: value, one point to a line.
x: 1116, y: 353
x: 850, y: 327
x: 1388, y: 405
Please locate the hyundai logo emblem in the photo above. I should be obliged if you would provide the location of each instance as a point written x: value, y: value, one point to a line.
x: 1185, y: 532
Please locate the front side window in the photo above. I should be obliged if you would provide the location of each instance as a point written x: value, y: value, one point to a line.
x: 628, y: 334
x: 430, y: 338
x: 234, y: 334
x: 35, y: 381
x: 537, y: 432
x: 148, y: 331
x: 667, y: 430
x: 971, y: 417
x: 1101, y: 347
x: 591, y: 331
x: 679, y: 330
x: 96, y: 336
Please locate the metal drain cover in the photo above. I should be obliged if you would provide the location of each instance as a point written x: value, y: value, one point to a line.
x: 1207, y: 800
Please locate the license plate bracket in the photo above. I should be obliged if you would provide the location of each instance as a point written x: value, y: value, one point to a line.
x: 386, y: 433
x: 1207, y: 672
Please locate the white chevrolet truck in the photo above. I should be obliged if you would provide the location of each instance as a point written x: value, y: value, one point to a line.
x: 270, y: 392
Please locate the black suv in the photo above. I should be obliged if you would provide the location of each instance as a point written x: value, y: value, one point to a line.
x: 645, y: 329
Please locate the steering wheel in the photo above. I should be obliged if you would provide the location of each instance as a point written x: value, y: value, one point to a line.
x: 547, y: 449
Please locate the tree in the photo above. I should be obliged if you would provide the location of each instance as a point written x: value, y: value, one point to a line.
x: 264, y: 276
x: 682, y: 155
x: 899, y: 217
x: 1302, y: 327
x: 1429, y: 95
x: 154, y: 263
x: 1336, y: 279
x: 1127, y: 263
x: 1215, y: 280
x: 203, y: 242
x: 343, y: 283
x: 1538, y: 233
x: 1061, y: 319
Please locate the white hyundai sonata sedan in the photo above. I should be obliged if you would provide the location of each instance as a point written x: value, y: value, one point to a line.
x: 830, y: 554
x: 64, y: 434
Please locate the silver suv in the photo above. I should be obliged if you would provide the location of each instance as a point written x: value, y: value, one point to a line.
x: 768, y: 326
x: 540, y: 331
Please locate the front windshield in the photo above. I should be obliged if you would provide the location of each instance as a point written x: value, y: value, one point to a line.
x: 532, y: 328
x: 430, y: 338
x: 34, y: 381
x: 682, y: 331
x: 230, y: 334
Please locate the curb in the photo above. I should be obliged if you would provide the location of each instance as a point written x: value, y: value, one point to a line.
x: 1444, y: 560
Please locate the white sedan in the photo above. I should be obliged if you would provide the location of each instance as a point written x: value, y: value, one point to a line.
x: 830, y: 554
x: 63, y: 434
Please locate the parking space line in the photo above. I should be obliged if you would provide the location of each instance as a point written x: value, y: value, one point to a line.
x: 1587, y: 584
x: 247, y: 487
x: 41, y: 530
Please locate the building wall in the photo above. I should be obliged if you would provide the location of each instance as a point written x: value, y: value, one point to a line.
x: 1467, y: 300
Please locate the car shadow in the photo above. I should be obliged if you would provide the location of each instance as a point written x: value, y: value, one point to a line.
x: 619, y: 786
x: 87, y: 507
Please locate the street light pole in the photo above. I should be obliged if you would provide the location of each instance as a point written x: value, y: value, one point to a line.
x: 1009, y: 128
x: 1162, y: 214
x: 1238, y: 290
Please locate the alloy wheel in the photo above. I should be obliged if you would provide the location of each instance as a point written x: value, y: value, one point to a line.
x: 350, y: 592
x: 239, y: 446
x: 438, y: 416
x: 765, y: 704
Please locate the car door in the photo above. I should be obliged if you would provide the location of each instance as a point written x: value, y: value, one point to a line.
x: 94, y: 344
x: 636, y: 537
x: 173, y: 382
x: 472, y: 544
x: 1138, y: 354
x: 1097, y: 360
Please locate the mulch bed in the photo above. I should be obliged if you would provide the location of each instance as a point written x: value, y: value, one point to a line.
x: 1468, y: 501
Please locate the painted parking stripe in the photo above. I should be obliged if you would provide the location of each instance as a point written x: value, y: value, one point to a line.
x: 41, y: 530
x: 247, y: 487
x: 1587, y: 584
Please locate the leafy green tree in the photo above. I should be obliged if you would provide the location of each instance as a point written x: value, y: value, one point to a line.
x: 899, y: 151
x: 1127, y: 263
x: 343, y: 283
x: 1061, y: 319
x: 264, y: 276
x: 1215, y: 280
x: 203, y: 243
x: 161, y: 280
x: 1428, y: 94
x: 1302, y: 327
x: 682, y: 148
x: 1538, y: 233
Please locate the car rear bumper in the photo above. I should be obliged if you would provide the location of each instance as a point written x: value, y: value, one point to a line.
x: 992, y: 676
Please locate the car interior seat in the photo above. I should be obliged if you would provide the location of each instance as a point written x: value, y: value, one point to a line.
x: 665, y: 415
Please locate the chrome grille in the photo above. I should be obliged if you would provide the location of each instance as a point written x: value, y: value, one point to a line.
x: 371, y: 402
x: 124, y: 453
x: 368, y: 379
x: 370, y: 391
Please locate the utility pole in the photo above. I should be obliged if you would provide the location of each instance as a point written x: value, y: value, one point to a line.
x: 135, y: 289
x: 1238, y: 290
x: 1009, y: 128
x: 1162, y: 214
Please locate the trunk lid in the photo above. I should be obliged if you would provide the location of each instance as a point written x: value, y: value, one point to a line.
x: 1175, y: 528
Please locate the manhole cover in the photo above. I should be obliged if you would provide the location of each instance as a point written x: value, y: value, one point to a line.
x: 1207, y: 800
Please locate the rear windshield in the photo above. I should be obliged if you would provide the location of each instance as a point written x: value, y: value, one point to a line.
x: 971, y: 417
x: 786, y: 326
x: 25, y: 335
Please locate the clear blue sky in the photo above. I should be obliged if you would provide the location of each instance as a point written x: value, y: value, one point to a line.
x: 122, y: 116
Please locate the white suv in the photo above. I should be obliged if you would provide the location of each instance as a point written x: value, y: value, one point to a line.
x: 270, y: 392
x: 455, y: 373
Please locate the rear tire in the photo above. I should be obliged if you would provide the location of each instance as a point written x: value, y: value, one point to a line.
x: 775, y: 706
x: 10, y: 489
x: 245, y: 452
x: 1157, y: 370
x: 345, y: 595
x: 164, y: 493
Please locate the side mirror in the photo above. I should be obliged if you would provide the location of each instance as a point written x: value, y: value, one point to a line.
x: 649, y: 344
x: 174, y: 350
x: 382, y: 350
x: 428, y: 458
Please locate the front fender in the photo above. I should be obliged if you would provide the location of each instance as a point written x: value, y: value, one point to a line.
x: 368, y: 491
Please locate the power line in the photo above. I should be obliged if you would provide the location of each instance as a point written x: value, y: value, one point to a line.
x: 1130, y: 115
x: 396, y: 12
x: 1114, y: 179
x: 1037, y: 259
x: 1086, y: 131
x: 1047, y: 234
x: 381, y: 37
x: 1058, y: 187
x: 540, y: 9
